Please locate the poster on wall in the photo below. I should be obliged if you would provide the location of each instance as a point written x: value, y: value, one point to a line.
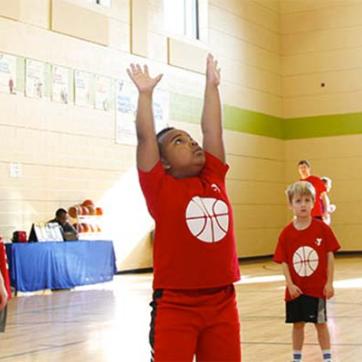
x: 103, y: 93
x: 60, y: 84
x: 7, y: 73
x: 83, y: 87
x: 35, y: 79
x: 161, y: 107
x: 126, y: 106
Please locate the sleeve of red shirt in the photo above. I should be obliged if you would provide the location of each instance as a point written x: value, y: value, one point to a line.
x: 151, y: 183
x: 280, y: 252
x: 4, y: 269
x: 332, y: 243
x: 321, y: 186
x: 215, y: 167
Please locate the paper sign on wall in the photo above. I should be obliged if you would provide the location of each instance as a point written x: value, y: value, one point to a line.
x: 126, y: 108
x: 83, y: 84
x: 7, y: 73
x: 103, y: 93
x: 35, y: 79
x: 60, y: 84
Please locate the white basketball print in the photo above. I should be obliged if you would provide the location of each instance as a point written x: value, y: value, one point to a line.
x: 305, y: 261
x: 207, y: 218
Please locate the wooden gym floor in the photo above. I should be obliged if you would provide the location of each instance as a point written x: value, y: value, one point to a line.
x: 109, y: 322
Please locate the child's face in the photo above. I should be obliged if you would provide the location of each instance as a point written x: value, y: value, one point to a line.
x: 181, y: 155
x: 304, y: 171
x: 302, y: 205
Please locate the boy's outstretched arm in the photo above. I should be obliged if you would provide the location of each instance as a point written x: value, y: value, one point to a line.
x: 211, y: 120
x: 147, y: 148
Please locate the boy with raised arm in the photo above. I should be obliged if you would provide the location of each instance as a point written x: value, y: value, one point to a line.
x: 194, y: 311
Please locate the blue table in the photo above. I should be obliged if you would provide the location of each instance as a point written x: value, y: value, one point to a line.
x: 58, y: 265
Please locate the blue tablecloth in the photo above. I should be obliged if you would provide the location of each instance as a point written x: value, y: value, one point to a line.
x: 57, y: 265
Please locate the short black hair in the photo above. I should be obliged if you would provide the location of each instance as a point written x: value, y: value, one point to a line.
x: 60, y: 212
x: 162, y: 132
x: 304, y: 162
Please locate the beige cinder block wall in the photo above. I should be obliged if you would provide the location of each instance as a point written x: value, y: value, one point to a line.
x: 321, y: 43
x: 245, y: 36
x: 68, y: 153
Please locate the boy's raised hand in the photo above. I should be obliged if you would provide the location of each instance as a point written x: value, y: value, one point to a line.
x: 142, y: 79
x: 212, y: 71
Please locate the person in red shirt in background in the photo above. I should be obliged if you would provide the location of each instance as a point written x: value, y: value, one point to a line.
x: 5, y: 291
x: 332, y: 208
x: 3, y: 302
x: 194, y: 310
x: 321, y: 204
x: 306, y: 251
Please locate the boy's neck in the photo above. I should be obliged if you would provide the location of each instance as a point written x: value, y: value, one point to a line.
x: 302, y: 223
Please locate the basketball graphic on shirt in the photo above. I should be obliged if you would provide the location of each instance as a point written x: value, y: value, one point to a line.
x: 207, y: 218
x: 305, y: 261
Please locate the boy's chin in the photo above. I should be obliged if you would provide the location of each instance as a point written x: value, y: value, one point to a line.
x: 193, y: 171
x: 304, y: 215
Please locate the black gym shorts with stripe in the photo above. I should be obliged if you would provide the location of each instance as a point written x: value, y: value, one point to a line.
x: 306, y: 309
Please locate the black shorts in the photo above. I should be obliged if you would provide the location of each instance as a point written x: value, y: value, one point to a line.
x: 306, y: 309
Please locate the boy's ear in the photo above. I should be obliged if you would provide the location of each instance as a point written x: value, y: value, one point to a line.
x: 165, y: 164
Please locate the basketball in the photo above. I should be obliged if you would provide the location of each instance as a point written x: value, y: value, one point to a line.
x: 88, y: 203
x: 80, y: 228
x: 207, y: 218
x: 85, y: 227
x: 91, y: 210
x: 74, y: 211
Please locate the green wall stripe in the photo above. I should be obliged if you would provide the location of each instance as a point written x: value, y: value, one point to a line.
x: 323, y: 126
x: 245, y: 121
x: 188, y: 109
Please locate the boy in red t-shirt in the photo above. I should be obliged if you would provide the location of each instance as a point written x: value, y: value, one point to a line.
x: 194, y: 311
x: 306, y: 251
x: 3, y: 302
x: 321, y: 201
x: 5, y: 291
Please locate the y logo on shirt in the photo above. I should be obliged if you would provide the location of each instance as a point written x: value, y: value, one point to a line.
x: 318, y: 241
x: 215, y: 188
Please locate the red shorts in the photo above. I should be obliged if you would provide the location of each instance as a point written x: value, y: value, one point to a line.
x: 202, y: 322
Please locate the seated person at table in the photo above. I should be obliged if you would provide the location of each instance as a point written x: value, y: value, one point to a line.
x: 68, y: 231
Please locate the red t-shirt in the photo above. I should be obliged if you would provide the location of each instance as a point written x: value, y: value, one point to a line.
x: 305, y: 252
x: 4, y: 269
x: 319, y: 187
x: 194, y: 237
